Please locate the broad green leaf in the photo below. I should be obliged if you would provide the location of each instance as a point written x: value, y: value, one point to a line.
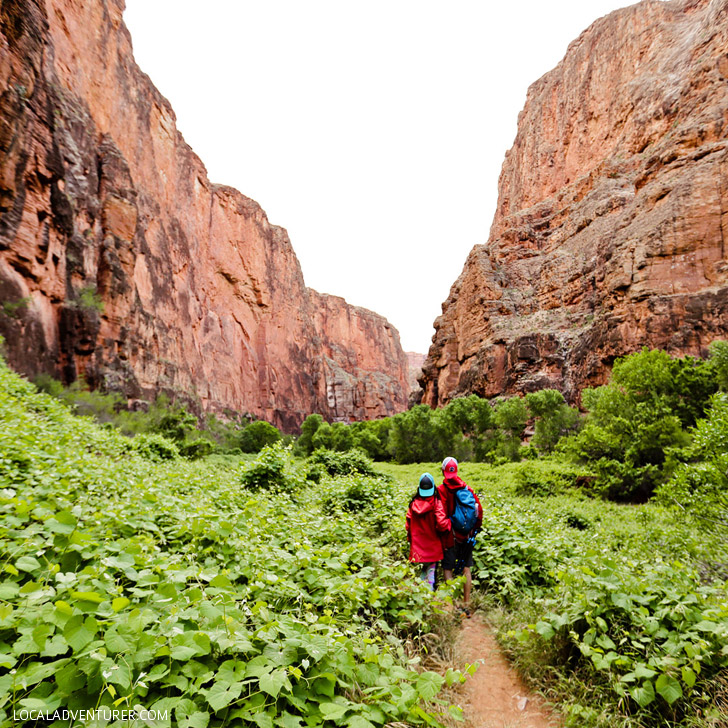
x: 545, y: 630
x: 194, y: 720
x: 273, y: 683
x: 55, y: 646
x: 8, y: 590
x: 119, y: 603
x: 688, y: 677
x: 222, y: 694
x: 429, y: 684
x: 62, y: 522
x: 79, y: 631
x: 357, y: 721
x: 669, y: 688
x: 84, y: 596
x: 704, y: 626
x: 41, y: 633
x: 263, y: 719
x: 332, y: 711
x: 642, y: 671
x: 27, y: 563
x: 643, y: 694
x: 288, y: 720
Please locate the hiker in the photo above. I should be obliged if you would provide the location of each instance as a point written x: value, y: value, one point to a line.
x: 422, y: 532
x: 459, y: 517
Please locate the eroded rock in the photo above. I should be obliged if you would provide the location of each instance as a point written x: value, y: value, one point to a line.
x: 612, y: 217
x: 126, y: 266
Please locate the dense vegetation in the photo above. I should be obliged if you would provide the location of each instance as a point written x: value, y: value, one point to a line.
x: 273, y: 590
x: 220, y: 591
x: 188, y: 435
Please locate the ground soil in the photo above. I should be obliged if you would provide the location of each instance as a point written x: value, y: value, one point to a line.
x: 495, y: 697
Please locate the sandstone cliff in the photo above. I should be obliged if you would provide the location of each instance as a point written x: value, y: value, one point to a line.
x: 612, y: 218
x: 122, y: 263
x: 415, y: 362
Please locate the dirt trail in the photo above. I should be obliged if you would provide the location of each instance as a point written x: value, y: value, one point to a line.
x: 495, y: 697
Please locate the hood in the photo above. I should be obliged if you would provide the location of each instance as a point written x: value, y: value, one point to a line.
x: 420, y: 506
x: 454, y: 482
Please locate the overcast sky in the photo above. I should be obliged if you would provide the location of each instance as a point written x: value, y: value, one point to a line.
x: 374, y: 132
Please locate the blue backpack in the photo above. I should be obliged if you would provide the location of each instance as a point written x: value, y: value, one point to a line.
x: 466, y: 511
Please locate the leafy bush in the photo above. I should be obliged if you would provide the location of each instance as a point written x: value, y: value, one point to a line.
x: 553, y: 418
x: 633, y: 424
x: 154, y: 447
x: 304, y: 444
x: 511, y: 416
x: 272, y: 469
x: 543, y: 479
x: 257, y: 435
x: 314, y: 473
x: 700, y: 485
x: 652, y: 633
x: 195, y: 449
x: 356, y: 493
x: 343, y: 463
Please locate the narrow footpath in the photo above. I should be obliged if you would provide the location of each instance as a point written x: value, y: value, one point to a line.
x: 495, y: 697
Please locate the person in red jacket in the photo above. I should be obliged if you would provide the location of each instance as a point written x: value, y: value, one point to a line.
x: 457, y: 545
x: 425, y: 545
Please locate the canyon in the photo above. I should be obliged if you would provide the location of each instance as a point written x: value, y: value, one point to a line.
x: 122, y: 264
x: 612, y: 217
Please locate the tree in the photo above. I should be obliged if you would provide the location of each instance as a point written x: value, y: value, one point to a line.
x: 635, y: 421
x: 342, y: 437
x: 554, y: 418
x: 416, y: 436
x: 304, y: 444
x: 472, y: 426
x: 719, y: 363
x: 323, y: 437
x: 257, y: 435
x: 511, y: 416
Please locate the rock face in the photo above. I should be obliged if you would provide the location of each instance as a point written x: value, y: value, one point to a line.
x: 612, y: 220
x: 122, y: 263
x: 415, y: 362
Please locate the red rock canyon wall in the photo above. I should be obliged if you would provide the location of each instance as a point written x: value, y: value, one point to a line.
x: 122, y: 263
x: 612, y: 218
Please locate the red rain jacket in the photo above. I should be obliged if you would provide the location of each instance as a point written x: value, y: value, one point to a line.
x: 422, y: 531
x: 446, y: 507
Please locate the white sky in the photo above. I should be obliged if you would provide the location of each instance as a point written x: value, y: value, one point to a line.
x: 374, y: 132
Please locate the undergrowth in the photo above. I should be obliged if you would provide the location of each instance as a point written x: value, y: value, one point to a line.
x: 218, y: 591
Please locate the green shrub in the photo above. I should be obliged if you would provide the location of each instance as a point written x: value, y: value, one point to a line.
x: 651, y: 633
x: 553, y: 418
x: 355, y: 493
x: 272, y: 469
x: 154, y: 447
x: 304, y: 444
x: 314, y: 473
x: 543, y: 479
x: 196, y: 449
x: 511, y: 416
x: 700, y: 486
x: 257, y: 435
x: 90, y: 299
x: 343, y: 463
x: 631, y: 428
